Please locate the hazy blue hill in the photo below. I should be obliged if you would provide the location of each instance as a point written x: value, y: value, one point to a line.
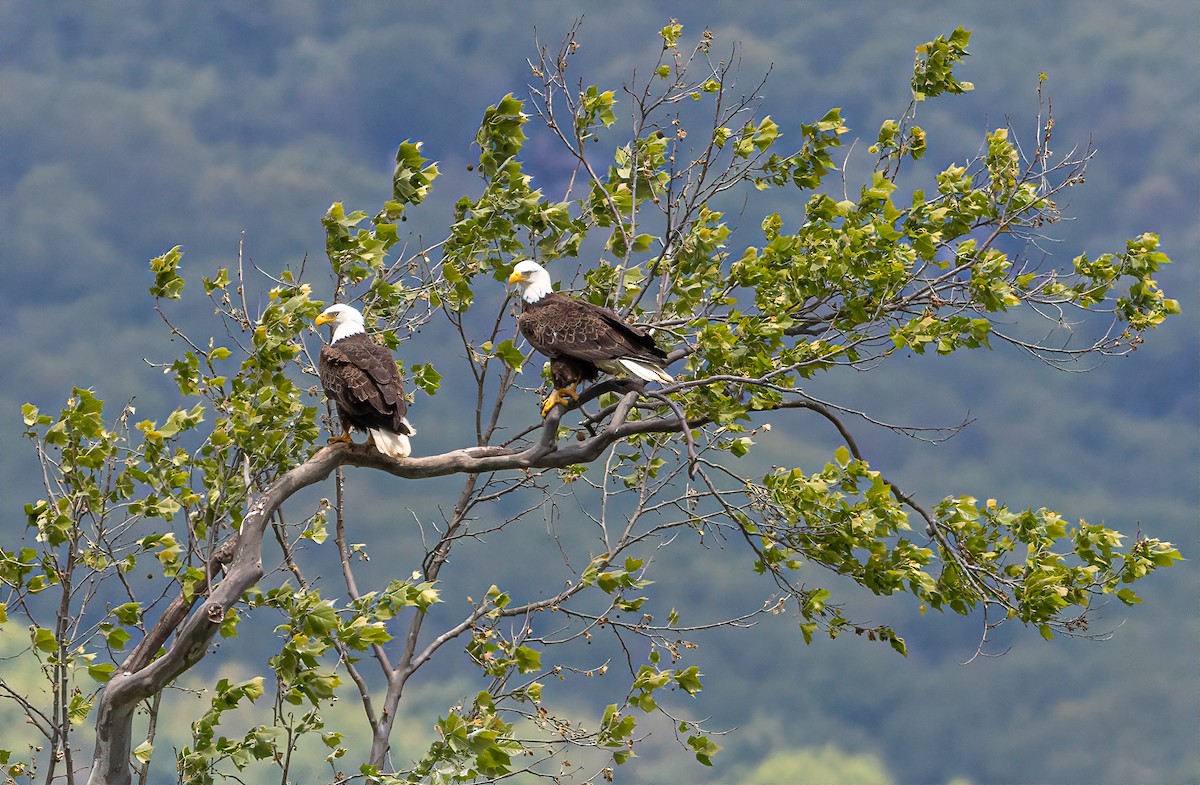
x: 132, y: 126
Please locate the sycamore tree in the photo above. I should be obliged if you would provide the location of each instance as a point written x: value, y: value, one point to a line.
x: 196, y: 500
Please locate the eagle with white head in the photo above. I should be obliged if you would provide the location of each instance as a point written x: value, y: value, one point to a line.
x: 361, y: 378
x: 581, y: 339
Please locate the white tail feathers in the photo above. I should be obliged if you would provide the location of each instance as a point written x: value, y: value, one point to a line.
x: 645, y: 371
x: 394, y: 445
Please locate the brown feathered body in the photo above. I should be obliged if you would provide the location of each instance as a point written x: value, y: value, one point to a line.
x: 363, y: 381
x: 582, y: 339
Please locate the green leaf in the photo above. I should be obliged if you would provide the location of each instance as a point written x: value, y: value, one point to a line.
x: 168, y: 284
x: 671, y: 35
x: 689, y: 680
x: 1128, y: 596
x: 101, y: 672
x: 31, y: 416
x: 703, y: 747
x: 528, y: 660
x: 933, y: 70
x: 117, y: 637
x: 500, y: 135
x: 411, y: 183
x: 79, y: 709
x: 220, y: 282
x: 425, y: 376
x: 510, y: 355
x: 43, y: 639
x: 143, y: 752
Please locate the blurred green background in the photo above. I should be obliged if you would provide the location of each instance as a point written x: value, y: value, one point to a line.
x: 128, y: 127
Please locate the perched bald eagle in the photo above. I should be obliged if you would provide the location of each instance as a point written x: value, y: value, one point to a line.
x: 362, y: 379
x: 581, y: 339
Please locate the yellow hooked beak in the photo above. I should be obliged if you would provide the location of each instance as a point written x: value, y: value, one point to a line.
x: 324, y: 319
x: 516, y: 278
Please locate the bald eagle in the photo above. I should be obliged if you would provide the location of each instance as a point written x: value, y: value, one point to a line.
x: 581, y: 339
x: 362, y: 379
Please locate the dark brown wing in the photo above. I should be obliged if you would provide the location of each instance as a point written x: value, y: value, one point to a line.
x: 362, y: 379
x: 559, y: 326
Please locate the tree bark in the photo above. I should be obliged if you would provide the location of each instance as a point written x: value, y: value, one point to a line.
x: 142, y: 675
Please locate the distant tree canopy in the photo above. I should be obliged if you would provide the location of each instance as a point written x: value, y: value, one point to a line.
x: 813, y: 766
x: 868, y: 275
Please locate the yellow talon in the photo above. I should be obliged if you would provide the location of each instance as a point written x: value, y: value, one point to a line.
x: 343, y: 439
x: 559, y: 395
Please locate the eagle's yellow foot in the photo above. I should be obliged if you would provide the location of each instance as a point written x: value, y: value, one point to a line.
x: 559, y: 395
x: 343, y: 439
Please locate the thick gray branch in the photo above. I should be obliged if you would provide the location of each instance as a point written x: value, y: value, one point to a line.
x: 194, y: 622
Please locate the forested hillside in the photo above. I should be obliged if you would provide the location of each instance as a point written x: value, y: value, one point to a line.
x: 131, y: 127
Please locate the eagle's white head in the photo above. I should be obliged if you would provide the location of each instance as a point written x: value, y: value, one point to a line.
x: 346, y: 321
x: 533, y: 280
